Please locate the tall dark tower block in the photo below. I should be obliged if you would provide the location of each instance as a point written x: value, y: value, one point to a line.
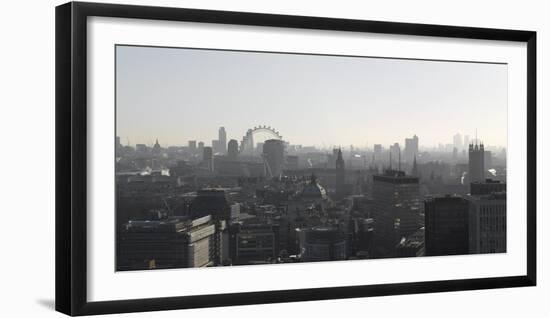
x: 222, y: 137
x: 233, y: 149
x: 340, y: 175
x: 447, y: 231
x: 476, y: 163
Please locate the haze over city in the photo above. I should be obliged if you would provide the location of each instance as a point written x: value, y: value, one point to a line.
x: 176, y: 95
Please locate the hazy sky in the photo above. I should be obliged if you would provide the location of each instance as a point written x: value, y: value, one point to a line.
x: 177, y: 95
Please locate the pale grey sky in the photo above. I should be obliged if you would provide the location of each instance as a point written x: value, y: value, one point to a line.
x: 177, y: 95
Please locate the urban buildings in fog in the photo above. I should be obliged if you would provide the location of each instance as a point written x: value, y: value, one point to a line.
x: 257, y: 158
x: 275, y: 202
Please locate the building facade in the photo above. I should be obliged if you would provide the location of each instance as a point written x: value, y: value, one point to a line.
x: 396, y: 210
x: 446, y: 226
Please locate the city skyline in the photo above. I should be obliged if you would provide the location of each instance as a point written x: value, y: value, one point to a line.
x: 149, y: 98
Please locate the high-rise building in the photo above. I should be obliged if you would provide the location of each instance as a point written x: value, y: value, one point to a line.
x: 274, y: 157
x: 414, y: 171
x: 118, y: 146
x: 395, y: 155
x: 233, y: 149
x: 222, y: 137
x: 208, y: 158
x: 200, y: 147
x: 214, y: 202
x: 340, y: 175
x: 396, y: 210
x: 476, y: 163
x: 487, y: 217
x: 411, y: 148
x: 377, y: 151
x: 446, y: 226
x: 192, y: 146
x: 457, y: 141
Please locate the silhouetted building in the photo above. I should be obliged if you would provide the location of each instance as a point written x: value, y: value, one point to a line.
x: 377, y: 152
x: 274, y: 157
x: 222, y: 137
x: 211, y: 202
x: 214, y: 202
x: 200, y: 147
x: 208, y: 158
x: 457, y: 141
x: 166, y: 243
x: 192, y: 144
x: 233, y: 149
x: 476, y: 166
x: 322, y: 244
x: 447, y: 228
x: 488, y: 217
x: 340, y: 176
x: 411, y: 148
x: 414, y: 171
x: 156, y: 148
x: 396, y: 210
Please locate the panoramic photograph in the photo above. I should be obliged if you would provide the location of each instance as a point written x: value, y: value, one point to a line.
x: 228, y: 158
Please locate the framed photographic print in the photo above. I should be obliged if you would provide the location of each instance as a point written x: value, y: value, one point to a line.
x: 213, y: 158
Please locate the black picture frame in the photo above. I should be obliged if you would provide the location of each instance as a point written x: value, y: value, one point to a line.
x: 71, y: 157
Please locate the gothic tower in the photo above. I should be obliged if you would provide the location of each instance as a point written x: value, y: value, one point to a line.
x: 476, y: 162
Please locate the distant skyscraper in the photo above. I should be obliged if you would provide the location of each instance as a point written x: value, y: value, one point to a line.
x: 200, y: 147
x: 396, y: 210
x: 395, y: 154
x: 118, y: 146
x: 476, y: 163
x: 340, y: 175
x: 411, y: 148
x: 274, y: 156
x: 447, y: 229
x: 192, y: 146
x: 233, y: 149
x: 457, y: 141
x: 414, y: 171
x: 207, y: 158
x: 222, y: 137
